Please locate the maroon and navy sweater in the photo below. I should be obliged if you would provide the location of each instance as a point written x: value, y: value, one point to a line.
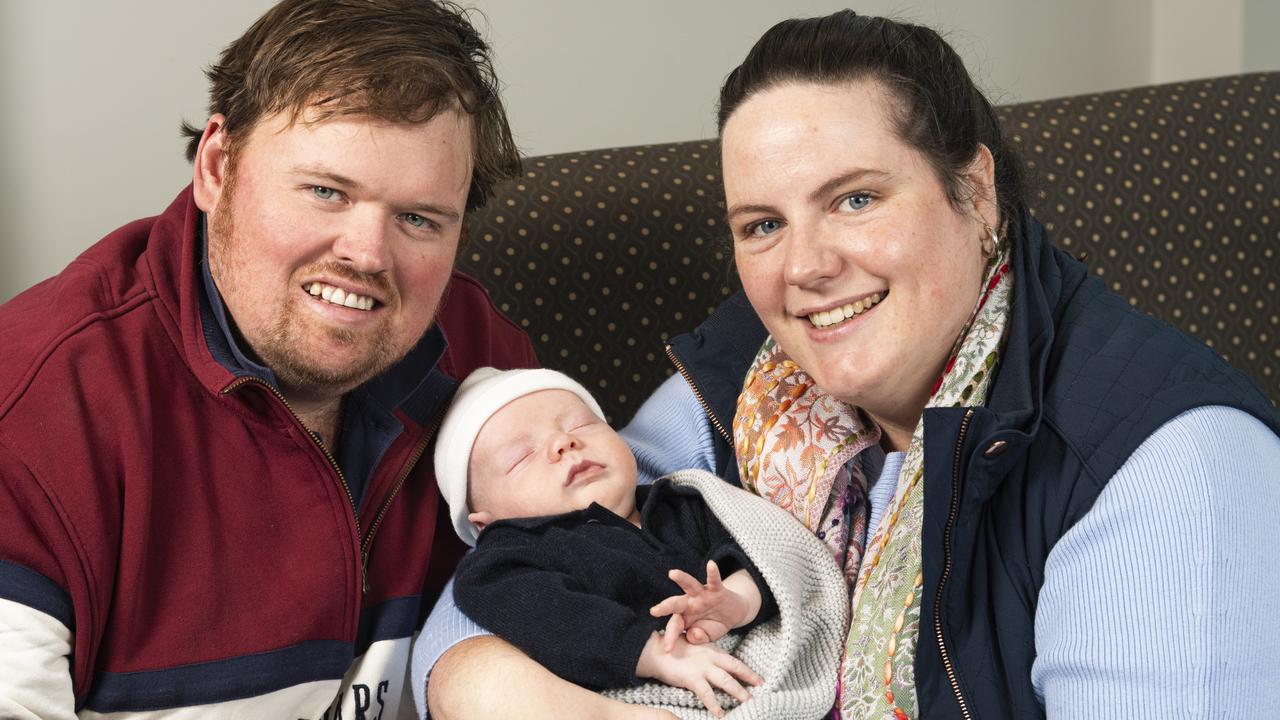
x: 173, y: 537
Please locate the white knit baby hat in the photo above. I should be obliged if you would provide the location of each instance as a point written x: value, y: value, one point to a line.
x: 483, y: 393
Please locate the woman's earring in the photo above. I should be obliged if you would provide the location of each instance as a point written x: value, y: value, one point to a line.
x: 990, y: 241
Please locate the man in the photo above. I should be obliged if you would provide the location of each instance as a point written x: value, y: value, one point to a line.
x: 212, y: 422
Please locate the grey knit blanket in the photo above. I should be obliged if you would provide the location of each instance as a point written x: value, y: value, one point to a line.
x: 798, y: 651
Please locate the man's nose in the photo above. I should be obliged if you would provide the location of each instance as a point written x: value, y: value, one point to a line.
x: 364, y: 241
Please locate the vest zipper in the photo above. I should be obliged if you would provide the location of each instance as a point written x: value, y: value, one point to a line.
x: 946, y: 569
x: 698, y: 394
x: 395, y: 490
x: 355, y: 516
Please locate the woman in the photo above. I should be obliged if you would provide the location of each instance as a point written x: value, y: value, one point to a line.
x: 1046, y: 503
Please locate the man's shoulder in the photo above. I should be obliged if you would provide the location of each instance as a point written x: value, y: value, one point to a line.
x: 91, y: 317
x: 478, y: 332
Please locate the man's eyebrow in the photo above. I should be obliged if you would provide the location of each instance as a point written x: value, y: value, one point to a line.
x: 326, y: 174
x: 342, y: 181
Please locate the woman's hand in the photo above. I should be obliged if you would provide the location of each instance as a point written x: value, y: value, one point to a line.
x: 697, y: 668
x: 706, y: 612
x: 463, y: 686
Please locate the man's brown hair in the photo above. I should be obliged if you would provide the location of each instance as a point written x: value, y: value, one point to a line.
x: 401, y: 61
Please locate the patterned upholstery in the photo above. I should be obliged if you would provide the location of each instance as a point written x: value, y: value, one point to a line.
x: 1169, y: 192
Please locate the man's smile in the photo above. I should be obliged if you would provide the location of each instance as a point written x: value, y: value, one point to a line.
x: 338, y: 296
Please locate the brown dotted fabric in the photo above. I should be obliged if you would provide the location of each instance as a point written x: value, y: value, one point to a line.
x: 1170, y: 191
x: 602, y: 255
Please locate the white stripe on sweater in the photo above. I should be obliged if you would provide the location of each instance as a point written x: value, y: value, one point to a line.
x: 35, y: 678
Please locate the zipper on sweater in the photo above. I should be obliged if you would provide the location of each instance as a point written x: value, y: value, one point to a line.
x: 946, y: 569
x: 698, y: 394
x: 333, y: 462
x: 395, y: 490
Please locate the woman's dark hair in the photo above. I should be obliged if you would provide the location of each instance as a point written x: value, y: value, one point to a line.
x: 940, y: 112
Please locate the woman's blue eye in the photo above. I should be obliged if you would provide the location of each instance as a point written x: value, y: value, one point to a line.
x: 323, y: 192
x: 858, y: 201
x: 415, y: 220
x: 764, y: 227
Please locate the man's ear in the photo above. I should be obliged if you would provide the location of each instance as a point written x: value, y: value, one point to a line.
x: 480, y: 519
x: 980, y: 176
x: 209, y: 174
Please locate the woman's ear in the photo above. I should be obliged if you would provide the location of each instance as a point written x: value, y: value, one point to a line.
x: 480, y: 519
x: 980, y: 176
x: 209, y: 178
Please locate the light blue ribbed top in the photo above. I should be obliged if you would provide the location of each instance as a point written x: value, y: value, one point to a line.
x: 1155, y: 604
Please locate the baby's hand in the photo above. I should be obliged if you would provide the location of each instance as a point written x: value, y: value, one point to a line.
x: 706, y: 612
x: 697, y: 668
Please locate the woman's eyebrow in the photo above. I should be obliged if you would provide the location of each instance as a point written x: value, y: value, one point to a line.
x: 838, y: 181
x: 818, y: 195
x: 737, y: 210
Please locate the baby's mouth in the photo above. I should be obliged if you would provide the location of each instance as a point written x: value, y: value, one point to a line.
x: 582, y: 468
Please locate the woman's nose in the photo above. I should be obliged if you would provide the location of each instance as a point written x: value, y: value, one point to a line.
x: 810, y: 258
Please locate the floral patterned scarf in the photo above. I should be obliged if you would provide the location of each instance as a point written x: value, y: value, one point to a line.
x: 794, y: 443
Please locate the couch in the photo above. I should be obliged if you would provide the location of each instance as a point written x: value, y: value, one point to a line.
x: 1169, y: 193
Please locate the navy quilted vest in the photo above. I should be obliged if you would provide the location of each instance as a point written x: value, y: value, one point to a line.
x: 1084, y: 380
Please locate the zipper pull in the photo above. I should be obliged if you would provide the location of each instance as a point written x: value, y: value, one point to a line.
x: 364, y: 570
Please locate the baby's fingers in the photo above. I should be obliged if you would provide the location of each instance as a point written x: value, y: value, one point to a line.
x: 673, y: 604
x: 726, y: 682
x: 739, y: 669
x: 713, y: 576
x: 687, y: 582
x: 703, y: 690
x: 675, y: 627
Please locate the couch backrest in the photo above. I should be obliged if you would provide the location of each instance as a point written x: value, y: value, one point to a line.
x: 1169, y: 192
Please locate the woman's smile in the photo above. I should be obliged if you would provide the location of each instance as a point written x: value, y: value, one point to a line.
x: 837, y: 316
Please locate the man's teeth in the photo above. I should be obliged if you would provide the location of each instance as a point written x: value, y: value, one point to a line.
x: 835, y: 315
x: 338, y: 296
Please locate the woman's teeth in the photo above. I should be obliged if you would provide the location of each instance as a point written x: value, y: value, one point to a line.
x: 838, y: 315
x: 338, y: 296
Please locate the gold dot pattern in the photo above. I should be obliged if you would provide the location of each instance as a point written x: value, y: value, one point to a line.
x: 1171, y: 193
x: 602, y: 255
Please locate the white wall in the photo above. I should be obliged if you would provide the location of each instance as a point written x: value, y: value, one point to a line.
x: 1195, y: 40
x: 91, y: 93
x: 1261, y: 28
x: 624, y: 72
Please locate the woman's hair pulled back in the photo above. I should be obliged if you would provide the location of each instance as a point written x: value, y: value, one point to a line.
x: 939, y: 111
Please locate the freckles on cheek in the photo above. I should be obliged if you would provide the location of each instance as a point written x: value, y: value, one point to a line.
x: 937, y: 292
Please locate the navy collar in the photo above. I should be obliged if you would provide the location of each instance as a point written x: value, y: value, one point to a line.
x: 369, y: 423
x: 219, y: 334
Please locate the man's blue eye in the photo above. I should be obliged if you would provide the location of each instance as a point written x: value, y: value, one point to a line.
x: 858, y: 201
x: 415, y: 220
x: 323, y: 192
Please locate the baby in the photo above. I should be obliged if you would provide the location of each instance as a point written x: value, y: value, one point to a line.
x: 574, y: 564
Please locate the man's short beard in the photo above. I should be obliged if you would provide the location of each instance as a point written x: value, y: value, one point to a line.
x: 298, y: 375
